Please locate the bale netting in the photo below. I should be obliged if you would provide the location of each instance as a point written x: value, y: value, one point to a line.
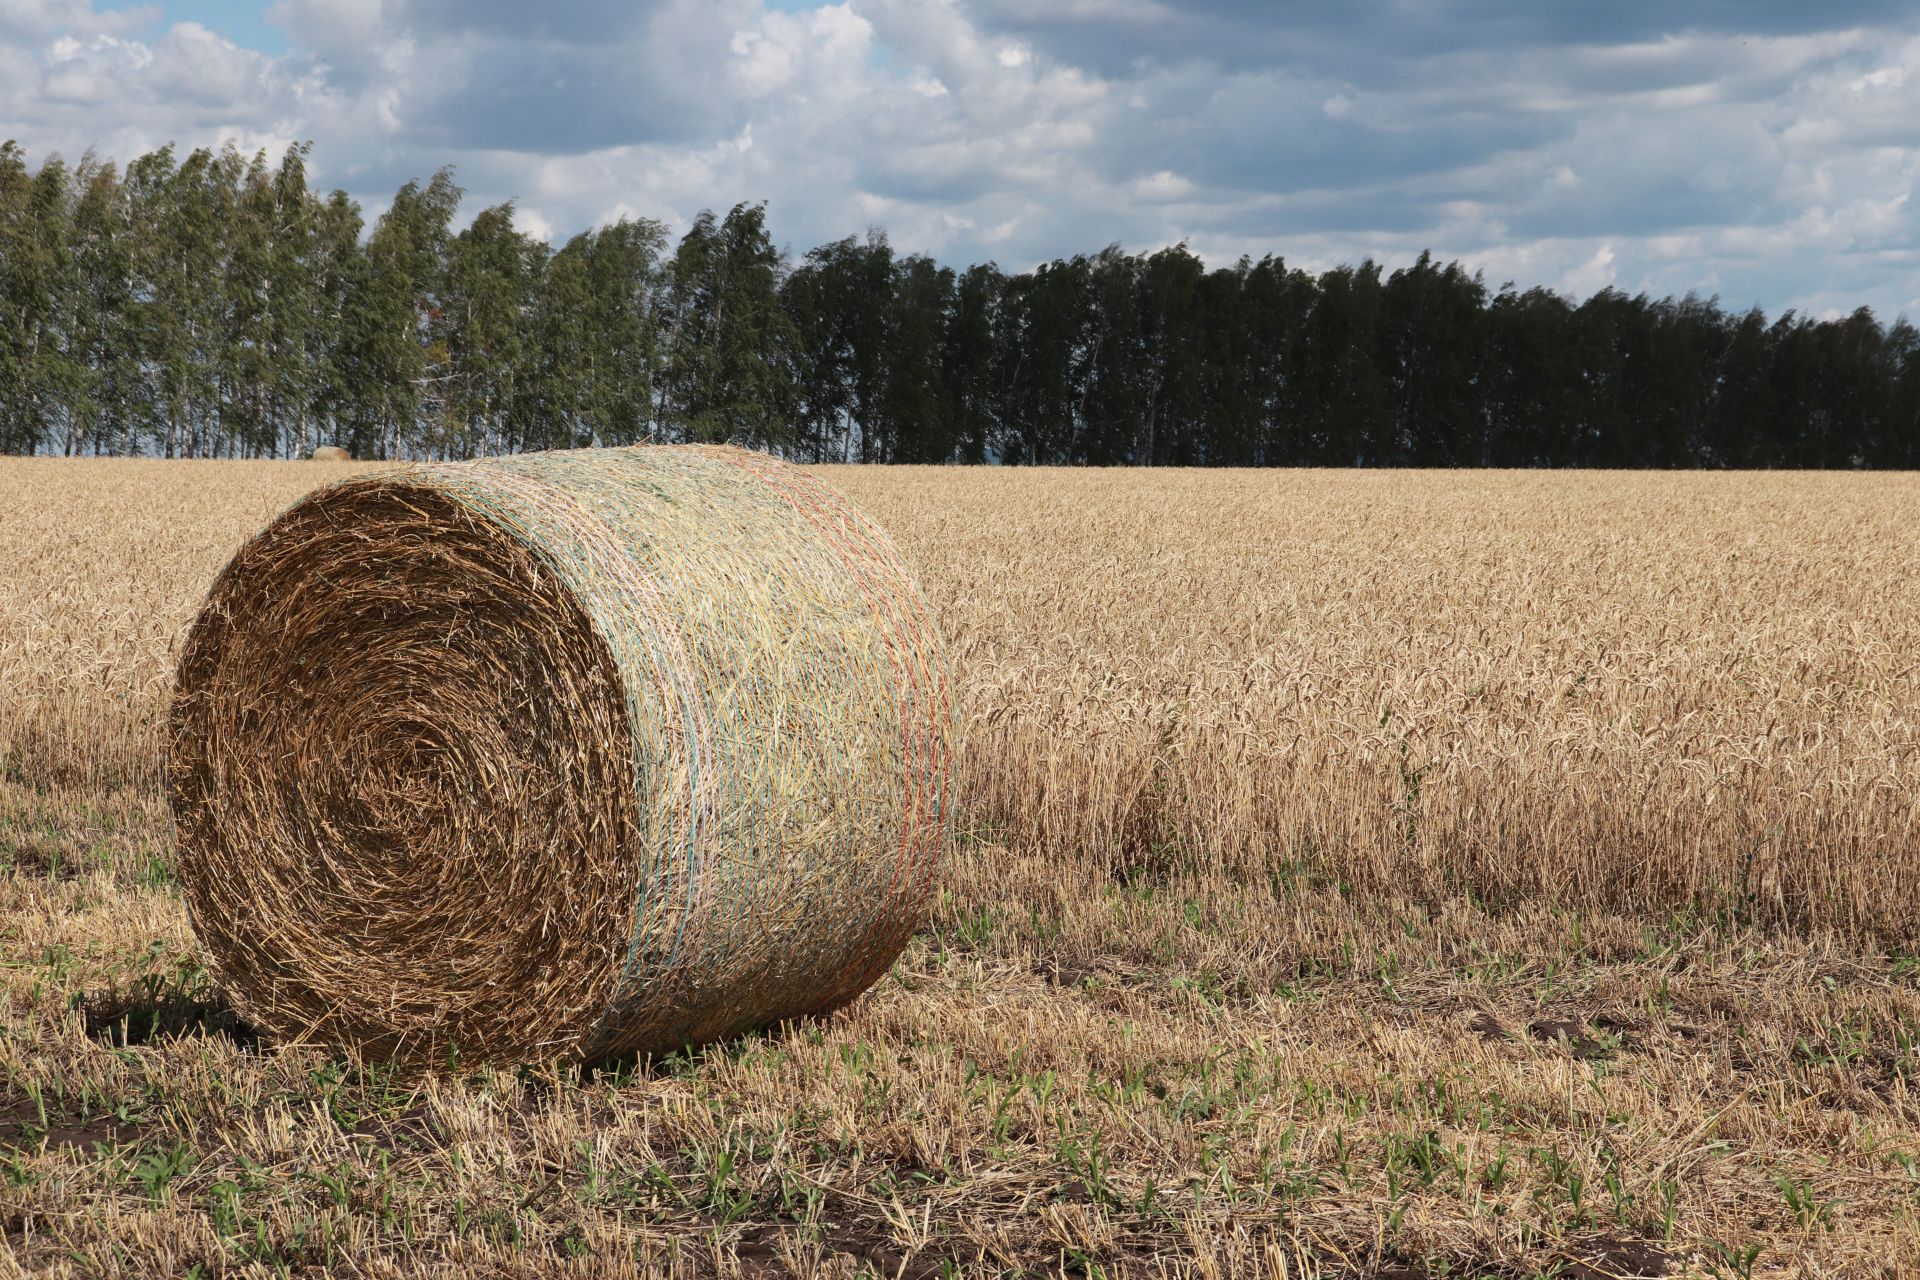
x: 560, y: 755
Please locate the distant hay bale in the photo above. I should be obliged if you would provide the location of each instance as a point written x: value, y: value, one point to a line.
x: 331, y: 453
x: 560, y: 755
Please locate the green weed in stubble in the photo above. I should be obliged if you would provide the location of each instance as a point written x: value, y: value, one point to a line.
x: 157, y: 1170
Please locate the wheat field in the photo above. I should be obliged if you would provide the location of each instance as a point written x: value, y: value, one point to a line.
x: 1361, y: 873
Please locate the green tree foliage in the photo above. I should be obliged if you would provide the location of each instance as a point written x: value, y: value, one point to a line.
x: 488, y: 354
x: 216, y: 305
x: 393, y: 323
x: 99, y: 341
x: 596, y: 338
x: 336, y: 344
x: 729, y: 367
x: 36, y: 291
x: 969, y: 359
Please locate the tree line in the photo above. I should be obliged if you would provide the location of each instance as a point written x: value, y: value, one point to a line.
x: 218, y: 306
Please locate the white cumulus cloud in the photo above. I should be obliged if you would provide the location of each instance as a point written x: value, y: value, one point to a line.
x: 1769, y: 157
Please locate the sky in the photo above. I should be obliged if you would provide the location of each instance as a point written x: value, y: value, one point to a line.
x: 1764, y: 151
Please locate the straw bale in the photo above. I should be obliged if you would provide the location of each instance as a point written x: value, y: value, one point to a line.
x: 560, y: 755
x: 331, y: 453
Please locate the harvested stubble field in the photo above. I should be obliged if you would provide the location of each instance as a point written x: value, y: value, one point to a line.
x: 1362, y: 874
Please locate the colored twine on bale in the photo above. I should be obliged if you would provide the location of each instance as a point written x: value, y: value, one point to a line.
x: 559, y: 755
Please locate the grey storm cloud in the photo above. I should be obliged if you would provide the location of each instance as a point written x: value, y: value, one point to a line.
x: 1117, y: 35
x: 591, y: 22
x: 556, y: 99
x: 539, y: 79
x: 1392, y: 210
x: 1276, y: 134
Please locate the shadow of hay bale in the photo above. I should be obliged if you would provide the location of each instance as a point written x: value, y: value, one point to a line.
x: 156, y: 1009
x: 688, y: 1059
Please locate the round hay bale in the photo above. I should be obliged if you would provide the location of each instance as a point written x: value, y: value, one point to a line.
x: 331, y: 453
x: 559, y: 755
